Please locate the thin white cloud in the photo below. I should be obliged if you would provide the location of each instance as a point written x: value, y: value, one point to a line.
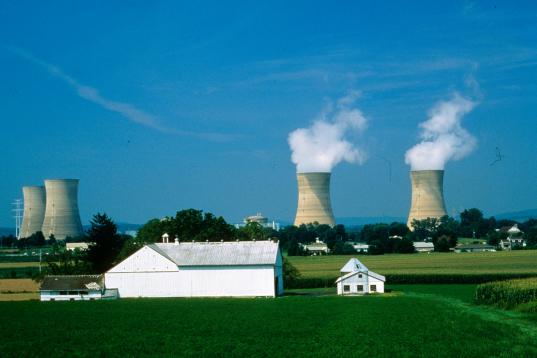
x: 127, y: 110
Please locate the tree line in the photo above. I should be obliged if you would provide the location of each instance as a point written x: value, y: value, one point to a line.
x: 108, y: 247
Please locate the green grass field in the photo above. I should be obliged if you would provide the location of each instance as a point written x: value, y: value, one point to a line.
x: 514, y: 262
x: 412, y: 321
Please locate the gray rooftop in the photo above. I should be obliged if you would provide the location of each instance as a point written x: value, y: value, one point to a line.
x: 219, y: 253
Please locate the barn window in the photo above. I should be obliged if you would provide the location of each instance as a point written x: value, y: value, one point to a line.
x: 346, y: 288
x: 63, y: 293
x: 373, y: 288
x: 360, y: 288
x: 359, y: 275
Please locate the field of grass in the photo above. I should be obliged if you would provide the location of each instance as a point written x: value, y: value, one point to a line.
x: 417, y: 321
x: 513, y: 262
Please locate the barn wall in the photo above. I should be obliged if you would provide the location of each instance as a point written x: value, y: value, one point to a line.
x: 216, y: 281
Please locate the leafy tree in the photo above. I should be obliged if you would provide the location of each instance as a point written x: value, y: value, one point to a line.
x: 473, y: 223
x: 494, y: 237
x: 294, y: 249
x: 531, y: 237
x: 107, y: 243
x: 290, y: 273
x: 404, y: 246
x: 444, y: 243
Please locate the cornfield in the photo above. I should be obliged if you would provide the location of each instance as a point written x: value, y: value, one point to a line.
x: 507, y: 294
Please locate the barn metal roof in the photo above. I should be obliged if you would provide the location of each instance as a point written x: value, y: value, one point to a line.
x: 219, y: 253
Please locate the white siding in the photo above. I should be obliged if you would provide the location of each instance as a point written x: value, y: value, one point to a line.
x: 55, y: 296
x: 145, y: 260
x: 218, y: 281
x: 366, y: 281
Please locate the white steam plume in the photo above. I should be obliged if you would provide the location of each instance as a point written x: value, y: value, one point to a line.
x: 322, y: 146
x: 443, y: 137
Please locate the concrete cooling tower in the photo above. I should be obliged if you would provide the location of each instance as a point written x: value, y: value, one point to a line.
x: 427, y: 195
x: 34, y: 209
x: 314, y: 199
x: 62, y: 218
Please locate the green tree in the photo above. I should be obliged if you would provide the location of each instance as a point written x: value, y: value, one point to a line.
x: 106, y: 243
x: 404, y: 246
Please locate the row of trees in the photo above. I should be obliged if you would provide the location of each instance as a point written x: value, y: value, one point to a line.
x: 109, y: 247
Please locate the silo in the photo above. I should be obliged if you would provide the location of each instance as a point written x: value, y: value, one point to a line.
x: 314, y: 199
x: 34, y: 210
x: 427, y: 195
x: 62, y: 218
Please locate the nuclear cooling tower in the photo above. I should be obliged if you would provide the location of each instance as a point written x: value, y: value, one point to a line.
x: 427, y: 195
x: 314, y: 199
x: 34, y: 209
x: 62, y: 218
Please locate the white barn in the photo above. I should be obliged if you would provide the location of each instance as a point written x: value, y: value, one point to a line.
x: 211, y: 269
x: 356, y: 279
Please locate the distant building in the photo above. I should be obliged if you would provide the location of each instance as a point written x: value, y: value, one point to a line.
x: 316, y: 248
x: 515, y: 238
x: 72, y: 246
x: 475, y: 248
x: 74, y: 288
x: 361, y: 247
x: 422, y: 246
x: 261, y: 220
x: 200, y: 269
x: 357, y: 279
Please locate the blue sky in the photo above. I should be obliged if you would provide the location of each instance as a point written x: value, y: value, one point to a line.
x: 160, y: 106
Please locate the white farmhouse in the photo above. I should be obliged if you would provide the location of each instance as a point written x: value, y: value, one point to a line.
x: 356, y: 279
x: 211, y: 269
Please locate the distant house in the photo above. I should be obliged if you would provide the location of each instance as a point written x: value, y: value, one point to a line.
x: 360, y: 247
x: 356, y: 279
x: 515, y: 238
x: 475, y: 248
x: 72, y: 246
x: 73, y: 288
x: 422, y: 246
x: 200, y: 269
x: 316, y: 248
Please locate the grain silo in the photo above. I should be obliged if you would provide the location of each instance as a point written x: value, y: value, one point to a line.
x: 427, y: 195
x: 62, y: 217
x: 314, y: 199
x: 34, y: 210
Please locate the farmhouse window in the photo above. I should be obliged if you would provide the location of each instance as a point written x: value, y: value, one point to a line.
x: 373, y: 288
x: 63, y: 292
x: 360, y: 275
x: 346, y: 288
x: 360, y: 288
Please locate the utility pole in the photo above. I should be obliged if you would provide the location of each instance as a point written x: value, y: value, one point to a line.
x: 18, y: 209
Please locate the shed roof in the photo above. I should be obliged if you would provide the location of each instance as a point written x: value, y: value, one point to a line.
x: 423, y: 245
x: 74, y: 282
x: 353, y: 265
x: 219, y: 253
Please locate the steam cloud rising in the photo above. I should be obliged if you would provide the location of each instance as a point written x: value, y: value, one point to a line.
x: 322, y: 146
x: 443, y: 137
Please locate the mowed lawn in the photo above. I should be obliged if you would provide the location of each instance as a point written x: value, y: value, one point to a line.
x: 414, y: 321
x: 434, y: 263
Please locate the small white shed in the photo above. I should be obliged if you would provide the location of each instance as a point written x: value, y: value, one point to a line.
x: 200, y: 269
x: 356, y: 279
x: 72, y: 288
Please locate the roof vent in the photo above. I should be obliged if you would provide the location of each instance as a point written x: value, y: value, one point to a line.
x: 176, y: 242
